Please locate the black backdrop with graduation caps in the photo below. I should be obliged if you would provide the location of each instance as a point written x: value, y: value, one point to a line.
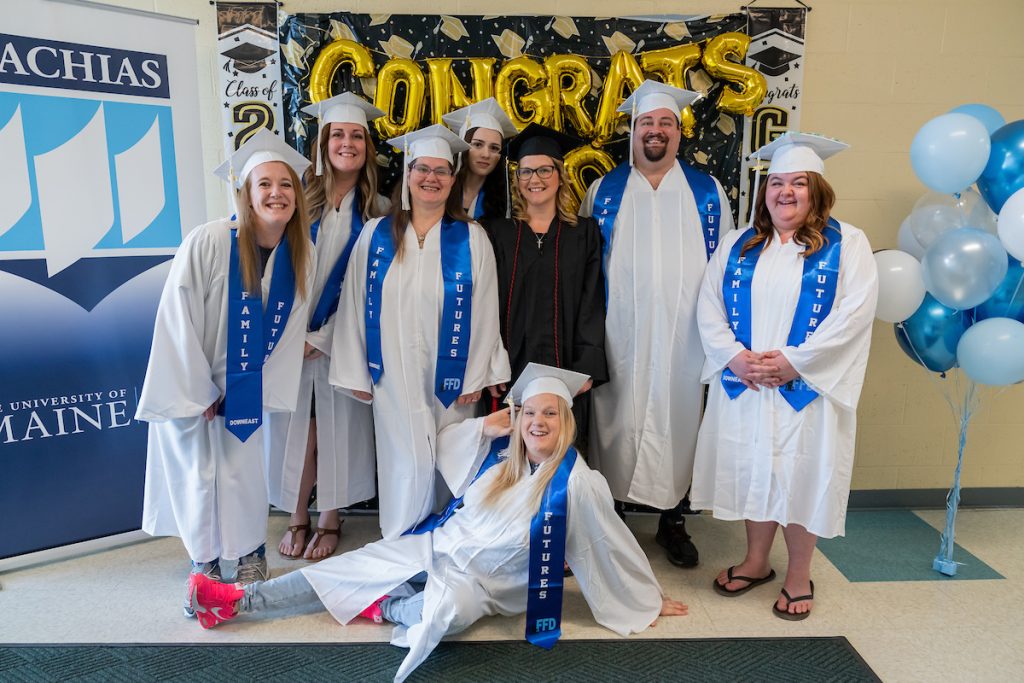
x: 715, y: 148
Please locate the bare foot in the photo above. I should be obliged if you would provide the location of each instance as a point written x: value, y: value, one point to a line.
x: 294, y: 539
x: 326, y: 537
x: 796, y: 590
x: 746, y: 568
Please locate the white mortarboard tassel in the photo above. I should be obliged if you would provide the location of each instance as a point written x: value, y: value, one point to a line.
x: 262, y: 147
x: 793, y: 152
x: 653, y: 95
x: 433, y: 141
x: 344, y: 108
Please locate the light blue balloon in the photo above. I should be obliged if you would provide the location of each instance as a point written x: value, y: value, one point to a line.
x: 950, y: 152
x: 963, y: 267
x: 992, y: 351
x: 989, y: 117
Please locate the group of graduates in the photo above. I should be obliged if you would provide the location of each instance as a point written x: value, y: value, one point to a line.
x: 326, y: 336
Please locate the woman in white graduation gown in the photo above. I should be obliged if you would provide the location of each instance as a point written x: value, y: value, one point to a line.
x: 478, y: 563
x: 785, y: 313
x: 485, y: 126
x: 408, y: 338
x: 328, y: 440
x: 219, y: 360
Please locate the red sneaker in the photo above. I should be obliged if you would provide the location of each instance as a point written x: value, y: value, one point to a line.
x: 373, y: 612
x: 214, y: 602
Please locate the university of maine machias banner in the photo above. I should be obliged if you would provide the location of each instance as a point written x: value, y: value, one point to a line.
x: 250, y: 75
x: 102, y: 175
x: 777, y: 51
x: 569, y: 73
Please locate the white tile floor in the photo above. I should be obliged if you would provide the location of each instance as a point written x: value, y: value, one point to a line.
x: 907, y: 631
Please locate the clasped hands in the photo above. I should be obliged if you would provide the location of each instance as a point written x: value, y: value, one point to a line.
x: 768, y: 369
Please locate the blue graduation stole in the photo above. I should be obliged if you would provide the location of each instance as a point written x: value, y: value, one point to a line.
x: 437, y: 519
x: 454, y: 330
x: 252, y: 336
x: 478, y: 210
x: 608, y: 201
x: 547, y: 559
x: 328, y: 303
x: 817, y: 294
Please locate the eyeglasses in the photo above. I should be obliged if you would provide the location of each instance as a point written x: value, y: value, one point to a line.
x: 442, y: 172
x: 543, y: 172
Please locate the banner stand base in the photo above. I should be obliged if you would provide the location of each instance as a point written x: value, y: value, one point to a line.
x: 73, y: 550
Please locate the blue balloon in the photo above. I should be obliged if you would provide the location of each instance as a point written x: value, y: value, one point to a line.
x: 950, y: 152
x: 1004, y: 172
x: 929, y: 337
x: 989, y: 117
x: 992, y: 351
x: 1008, y: 299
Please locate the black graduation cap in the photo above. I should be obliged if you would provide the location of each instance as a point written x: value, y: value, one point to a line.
x: 774, y: 60
x: 248, y: 57
x: 538, y: 139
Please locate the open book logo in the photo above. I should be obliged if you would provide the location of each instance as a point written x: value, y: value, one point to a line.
x: 85, y: 180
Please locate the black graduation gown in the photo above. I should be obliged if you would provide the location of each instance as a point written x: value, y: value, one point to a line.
x: 565, y: 331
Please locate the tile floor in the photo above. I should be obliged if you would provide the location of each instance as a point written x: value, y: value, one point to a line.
x: 954, y: 630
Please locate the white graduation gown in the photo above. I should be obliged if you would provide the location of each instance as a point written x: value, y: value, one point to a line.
x: 345, y: 461
x: 478, y: 562
x: 758, y: 458
x: 407, y: 416
x: 202, y: 483
x: 644, y: 426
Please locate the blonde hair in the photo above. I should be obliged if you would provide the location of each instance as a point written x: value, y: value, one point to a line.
x: 510, y: 470
x: 317, y: 185
x: 821, y: 198
x: 296, y: 231
x: 564, y: 201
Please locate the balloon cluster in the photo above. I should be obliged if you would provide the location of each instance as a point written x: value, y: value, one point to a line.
x: 955, y: 287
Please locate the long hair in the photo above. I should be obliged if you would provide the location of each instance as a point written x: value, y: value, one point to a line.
x: 494, y: 186
x: 510, y: 470
x: 564, y: 200
x: 400, y: 218
x: 318, y: 187
x: 821, y: 198
x: 296, y: 232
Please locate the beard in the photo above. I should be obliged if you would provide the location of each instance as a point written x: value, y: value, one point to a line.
x: 655, y: 154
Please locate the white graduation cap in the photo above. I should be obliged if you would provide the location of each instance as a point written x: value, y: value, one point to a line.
x: 262, y: 147
x: 793, y: 152
x: 344, y: 108
x: 483, y: 114
x: 544, y: 379
x: 433, y: 141
x: 652, y: 95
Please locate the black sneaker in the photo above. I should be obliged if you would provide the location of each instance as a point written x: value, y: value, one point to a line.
x: 673, y: 538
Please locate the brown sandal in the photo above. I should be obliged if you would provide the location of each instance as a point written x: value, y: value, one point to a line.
x: 314, y: 543
x: 305, y: 529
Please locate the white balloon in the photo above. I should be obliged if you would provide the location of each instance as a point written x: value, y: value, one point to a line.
x: 906, y: 241
x: 1011, y: 225
x: 935, y: 214
x: 900, y: 285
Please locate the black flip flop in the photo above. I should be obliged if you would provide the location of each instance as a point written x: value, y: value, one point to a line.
x: 785, y: 613
x: 751, y: 583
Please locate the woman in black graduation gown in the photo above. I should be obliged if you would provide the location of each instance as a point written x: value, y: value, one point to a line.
x: 550, y: 285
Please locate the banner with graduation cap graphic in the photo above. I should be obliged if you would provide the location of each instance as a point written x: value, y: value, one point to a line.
x: 777, y: 51
x: 250, y: 71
